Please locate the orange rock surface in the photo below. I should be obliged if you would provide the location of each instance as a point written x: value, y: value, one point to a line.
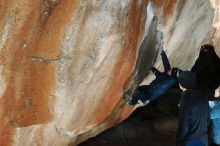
x: 66, y: 63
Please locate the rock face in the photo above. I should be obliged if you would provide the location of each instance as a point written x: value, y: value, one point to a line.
x: 66, y: 64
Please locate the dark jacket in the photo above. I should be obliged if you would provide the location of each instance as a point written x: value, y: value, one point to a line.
x: 193, y: 117
x: 154, y: 90
x: 160, y: 85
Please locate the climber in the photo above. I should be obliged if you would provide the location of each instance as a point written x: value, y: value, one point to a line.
x: 162, y: 83
x: 207, y: 68
x: 193, y: 113
x: 215, y: 118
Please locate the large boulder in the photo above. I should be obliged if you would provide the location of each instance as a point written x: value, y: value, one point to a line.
x: 65, y: 64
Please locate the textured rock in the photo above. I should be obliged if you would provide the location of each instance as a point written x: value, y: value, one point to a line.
x: 65, y: 64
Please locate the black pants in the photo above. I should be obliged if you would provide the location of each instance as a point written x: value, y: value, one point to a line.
x: 213, y: 144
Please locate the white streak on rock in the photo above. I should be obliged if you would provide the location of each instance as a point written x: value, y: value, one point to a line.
x: 150, y: 15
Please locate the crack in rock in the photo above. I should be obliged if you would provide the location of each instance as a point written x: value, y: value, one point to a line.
x: 43, y: 59
x: 51, y: 3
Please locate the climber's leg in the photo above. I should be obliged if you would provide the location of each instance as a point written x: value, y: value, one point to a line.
x: 156, y: 72
x: 139, y: 95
